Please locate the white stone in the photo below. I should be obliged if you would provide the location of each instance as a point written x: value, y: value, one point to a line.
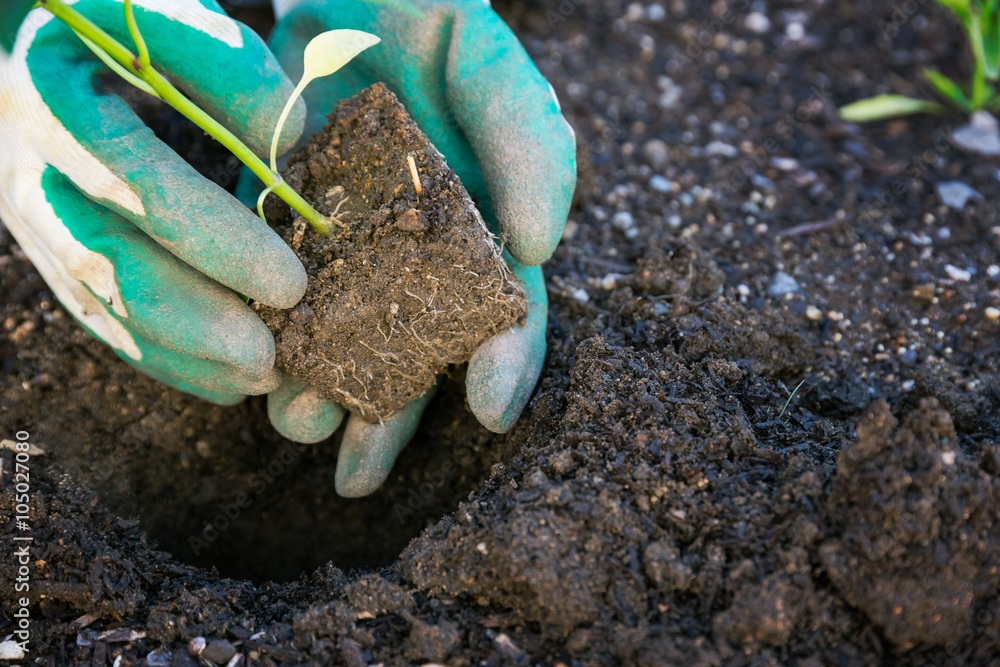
x: 782, y: 284
x: 981, y: 135
x: 656, y: 12
x: 660, y: 184
x: 757, y: 22
x: 623, y: 220
x: 785, y: 163
x: 721, y: 148
x: 9, y: 650
x: 956, y: 194
x: 957, y: 274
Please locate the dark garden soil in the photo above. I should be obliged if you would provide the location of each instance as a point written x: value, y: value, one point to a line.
x: 668, y: 497
x: 411, y: 283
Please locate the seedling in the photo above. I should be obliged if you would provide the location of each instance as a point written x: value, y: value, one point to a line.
x: 324, y: 55
x: 981, y: 21
x: 784, y: 408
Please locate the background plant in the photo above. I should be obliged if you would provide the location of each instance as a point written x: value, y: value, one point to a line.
x: 980, y: 20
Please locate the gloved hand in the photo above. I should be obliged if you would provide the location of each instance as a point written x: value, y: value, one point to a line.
x: 471, y: 87
x: 137, y: 246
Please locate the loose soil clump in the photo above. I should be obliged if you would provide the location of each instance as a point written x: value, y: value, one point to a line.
x: 412, y: 282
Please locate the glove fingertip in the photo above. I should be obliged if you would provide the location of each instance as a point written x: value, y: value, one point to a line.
x: 281, y: 284
x: 368, y: 451
x: 533, y: 245
x: 501, y: 377
x: 367, y: 454
x: 298, y: 412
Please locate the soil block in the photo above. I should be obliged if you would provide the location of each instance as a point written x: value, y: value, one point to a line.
x: 411, y: 282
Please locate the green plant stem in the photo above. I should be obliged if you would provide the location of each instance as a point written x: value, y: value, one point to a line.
x: 133, y: 29
x: 83, y: 26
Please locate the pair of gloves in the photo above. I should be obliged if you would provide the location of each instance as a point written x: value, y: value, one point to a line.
x: 149, y: 257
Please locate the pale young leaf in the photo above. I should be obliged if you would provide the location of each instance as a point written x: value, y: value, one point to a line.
x: 329, y: 51
x: 325, y: 54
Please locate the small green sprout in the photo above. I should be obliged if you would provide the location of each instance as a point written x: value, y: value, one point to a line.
x: 981, y: 21
x: 784, y: 408
x: 324, y: 55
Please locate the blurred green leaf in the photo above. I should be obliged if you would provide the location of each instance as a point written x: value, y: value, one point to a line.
x: 991, y: 39
x: 948, y: 89
x: 962, y: 8
x: 884, y: 107
x: 12, y: 14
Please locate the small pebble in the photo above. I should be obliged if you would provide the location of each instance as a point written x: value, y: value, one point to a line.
x: 909, y: 384
x: 814, y: 313
x: 992, y: 313
x: 623, y: 220
x: 782, y: 284
x: 956, y: 194
x: 785, y: 163
x: 655, y: 153
x: 993, y: 270
x: 660, y: 184
x: 924, y: 292
x: 508, y: 648
x: 674, y: 221
x: 580, y: 294
x: 957, y: 274
x: 159, y: 658
x: 721, y: 148
x: 570, y: 230
x: 757, y: 22
x: 301, y: 313
x: 205, y: 451
x: 196, y: 646
x: 219, y: 651
x: 948, y: 458
x: 656, y: 12
x: 610, y: 281
x: 412, y: 220
x: 670, y: 95
x: 981, y: 135
x: 10, y: 650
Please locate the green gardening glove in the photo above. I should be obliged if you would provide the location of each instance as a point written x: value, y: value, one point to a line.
x: 463, y: 76
x: 144, y: 252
